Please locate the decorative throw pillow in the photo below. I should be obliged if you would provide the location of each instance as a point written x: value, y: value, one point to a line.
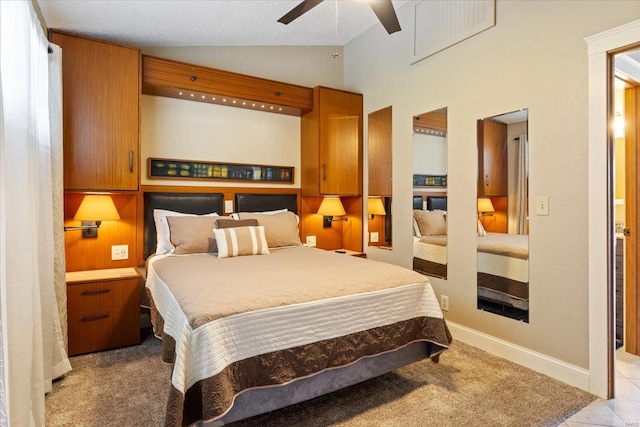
x: 431, y: 223
x: 238, y: 241
x: 164, y: 245
x: 232, y: 223
x: 281, y: 229
x: 192, y: 234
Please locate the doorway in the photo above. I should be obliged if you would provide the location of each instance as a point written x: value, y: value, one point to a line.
x: 601, y: 224
x: 626, y: 112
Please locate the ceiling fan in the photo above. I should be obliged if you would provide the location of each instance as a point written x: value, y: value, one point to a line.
x: 382, y: 8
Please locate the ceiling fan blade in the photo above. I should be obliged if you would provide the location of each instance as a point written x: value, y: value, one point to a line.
x: 386, y: 14
x: 300, y: 9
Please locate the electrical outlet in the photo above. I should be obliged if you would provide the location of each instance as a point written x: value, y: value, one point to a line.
x: 375, y: 237
x: 119, y: 252
x: 311, y: 241
x: 444, y: 302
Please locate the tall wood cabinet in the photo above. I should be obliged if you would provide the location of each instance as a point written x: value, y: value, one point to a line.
x: 101, y: 102
x: 332, y: 144
x: 492, y: 158
x: 331, y: 164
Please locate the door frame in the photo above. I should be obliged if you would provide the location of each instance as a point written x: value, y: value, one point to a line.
x: 601, y: 280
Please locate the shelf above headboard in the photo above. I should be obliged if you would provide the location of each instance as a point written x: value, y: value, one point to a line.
x: 173, y: 79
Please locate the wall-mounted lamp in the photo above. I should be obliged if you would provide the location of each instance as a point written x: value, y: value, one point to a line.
x: 375, y: 207
x: 92, y: 211
x: 485, y: 207
x: 331, y: 206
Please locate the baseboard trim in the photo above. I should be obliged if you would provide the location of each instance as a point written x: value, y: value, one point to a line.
x: 554, y: 368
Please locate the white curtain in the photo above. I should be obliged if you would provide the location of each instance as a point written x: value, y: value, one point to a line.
x: 517, y: 209
x: 31, y: 241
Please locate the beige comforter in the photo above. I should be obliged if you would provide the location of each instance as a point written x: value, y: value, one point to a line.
x: 511, y: 245
x: 254, y: 321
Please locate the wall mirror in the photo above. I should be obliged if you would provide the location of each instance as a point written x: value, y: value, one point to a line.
x: 380, y: 172
x: 430, y: 193
x: 503, y: 215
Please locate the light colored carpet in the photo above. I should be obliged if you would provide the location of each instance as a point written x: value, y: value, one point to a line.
x: 129, y: 386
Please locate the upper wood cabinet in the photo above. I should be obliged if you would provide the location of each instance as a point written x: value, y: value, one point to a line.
x: 380, y: 150
x: 492, y: 158
x: 332, y: 144
x: 101, y: 105
x: 164, y: 77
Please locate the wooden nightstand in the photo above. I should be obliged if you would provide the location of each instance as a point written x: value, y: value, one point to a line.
x: 103, y: 309
x: 352, y: 253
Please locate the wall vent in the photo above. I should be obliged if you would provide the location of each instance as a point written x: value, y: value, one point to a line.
x: 441, y: 24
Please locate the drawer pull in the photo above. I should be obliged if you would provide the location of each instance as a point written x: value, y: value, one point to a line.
x: 95, y: 317
x: 96, y: 292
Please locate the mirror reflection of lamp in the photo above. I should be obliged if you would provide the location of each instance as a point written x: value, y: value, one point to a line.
x: 375, y: 207
x: 331, y: 206
x: 92, y: 211
x: 485, y: 207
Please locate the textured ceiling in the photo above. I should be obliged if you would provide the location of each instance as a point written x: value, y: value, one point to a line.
x: 211, y: 22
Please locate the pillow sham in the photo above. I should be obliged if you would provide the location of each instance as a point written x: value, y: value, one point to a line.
x: 281, y: 229
x: 239, y: 241
x: 164, y: 245
x: 192, y: 234
x: 232, y: 223
x: 431, y: 223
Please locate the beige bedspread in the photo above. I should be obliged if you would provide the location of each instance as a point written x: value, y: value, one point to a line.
x: 237, y: 323
x: 511, y: 245
x: 434, y: 240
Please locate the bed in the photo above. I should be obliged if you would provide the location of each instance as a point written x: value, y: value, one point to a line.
x: 430, y: 236
x: 249, y: 334
x: 503, y: 274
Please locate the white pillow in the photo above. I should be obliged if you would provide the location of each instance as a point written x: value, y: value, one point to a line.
x: 237, y: 214
x: 163, y: 234
x: 277, y: 211
x: 481, y: 230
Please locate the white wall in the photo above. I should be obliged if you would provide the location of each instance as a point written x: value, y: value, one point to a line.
x: 429, y: 154
x: 534, y: 58
x: 172, y: 128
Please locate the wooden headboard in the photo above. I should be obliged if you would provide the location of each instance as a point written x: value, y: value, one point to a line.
x: 194, y: 203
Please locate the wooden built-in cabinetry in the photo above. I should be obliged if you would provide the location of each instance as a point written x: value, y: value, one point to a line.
x: 103, y: 309
x: 331, y: 164
x: 175, y: 79
x: 492, y: 158
x: 101, y: 102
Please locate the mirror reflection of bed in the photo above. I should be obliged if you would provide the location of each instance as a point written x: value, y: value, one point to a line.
x: 430, y: 193
x: 503, y: 217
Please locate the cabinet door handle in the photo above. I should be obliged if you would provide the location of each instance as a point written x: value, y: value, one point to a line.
x: 96, y: 292
x: 324, y: 171
x: 486, y: 180
x: 130, y: 161
x: 94, y: 317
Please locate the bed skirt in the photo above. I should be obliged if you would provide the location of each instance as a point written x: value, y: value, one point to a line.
x: 429, y: 268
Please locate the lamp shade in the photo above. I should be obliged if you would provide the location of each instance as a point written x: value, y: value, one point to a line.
x: 485, y: 205
x: 375, y: 206
x: 331, y: 206
x: 97, y: 208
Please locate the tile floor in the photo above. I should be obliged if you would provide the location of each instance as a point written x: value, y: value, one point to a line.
x: 624, y: 409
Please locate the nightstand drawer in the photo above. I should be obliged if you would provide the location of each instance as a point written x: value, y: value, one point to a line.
x: 105, y: 294
x: 101, y: 329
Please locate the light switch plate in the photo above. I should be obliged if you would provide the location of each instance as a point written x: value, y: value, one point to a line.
x: 228, y: 206
x: 542, y: 205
